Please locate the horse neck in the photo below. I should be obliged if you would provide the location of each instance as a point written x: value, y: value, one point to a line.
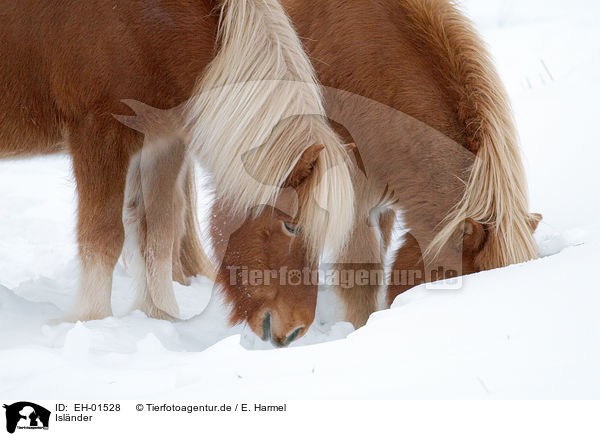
x: 390, y: 120
x: 423, y: 59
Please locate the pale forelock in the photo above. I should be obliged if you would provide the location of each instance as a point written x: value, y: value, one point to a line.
x: 257, y: 107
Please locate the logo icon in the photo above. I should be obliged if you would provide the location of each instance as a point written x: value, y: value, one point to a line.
x: 26, y: 415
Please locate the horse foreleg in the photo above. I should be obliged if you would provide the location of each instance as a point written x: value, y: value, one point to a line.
x: 408, y: 269
x: 100, y: 163
x: 179, y: 214
x: 360, y: 271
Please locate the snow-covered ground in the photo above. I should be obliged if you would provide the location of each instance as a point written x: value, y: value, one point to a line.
x: 527, y: 331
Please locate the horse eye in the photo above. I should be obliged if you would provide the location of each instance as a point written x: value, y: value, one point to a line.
x: 291, y: 228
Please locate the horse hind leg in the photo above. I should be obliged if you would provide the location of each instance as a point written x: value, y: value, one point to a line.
x: 154, y: 218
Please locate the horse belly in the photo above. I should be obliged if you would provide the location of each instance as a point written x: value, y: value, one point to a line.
x: 29, y: 123
x: 63, y: 66
x: 23, y: 132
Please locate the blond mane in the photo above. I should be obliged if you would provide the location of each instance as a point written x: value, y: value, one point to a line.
x: 496, y: 192
x: 256, y: 109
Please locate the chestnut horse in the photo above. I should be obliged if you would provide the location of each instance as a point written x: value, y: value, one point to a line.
x: 412, y: 84
x: 436, y: 70
x: 247, y: 82
x: 414, y: 87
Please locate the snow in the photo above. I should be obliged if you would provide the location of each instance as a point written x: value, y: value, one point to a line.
x: 526, y: 331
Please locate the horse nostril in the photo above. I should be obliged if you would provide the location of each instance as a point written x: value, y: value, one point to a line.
x: 266, y: 327
x: 291, y: 338
x: 284, y: 342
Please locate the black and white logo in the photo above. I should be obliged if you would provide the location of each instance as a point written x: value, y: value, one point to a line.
x: 26, y: 416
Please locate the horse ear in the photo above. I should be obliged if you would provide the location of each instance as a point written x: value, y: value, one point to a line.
x: 534, y: 220
x: 350, y: 147
x: 474, y: 235
x: 305, y: 166
x: 352, y: 150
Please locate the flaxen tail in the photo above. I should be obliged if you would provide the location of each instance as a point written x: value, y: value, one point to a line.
x: 496, y: 192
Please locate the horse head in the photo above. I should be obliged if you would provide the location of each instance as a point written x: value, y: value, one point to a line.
x: 266, y: 272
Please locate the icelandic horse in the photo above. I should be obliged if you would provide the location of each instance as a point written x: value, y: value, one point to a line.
x: 449, y: 149
x: 251, y: 113
x: 412, y: 84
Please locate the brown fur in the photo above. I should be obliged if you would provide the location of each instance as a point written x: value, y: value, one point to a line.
x: 423, y: 59
x: 319, y: 175
x: 289, y: 308
x: 257, y: 240
x: 447, y: 103
x: 62, y: 78
x: 260, y: 242
x: 409, y: 257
